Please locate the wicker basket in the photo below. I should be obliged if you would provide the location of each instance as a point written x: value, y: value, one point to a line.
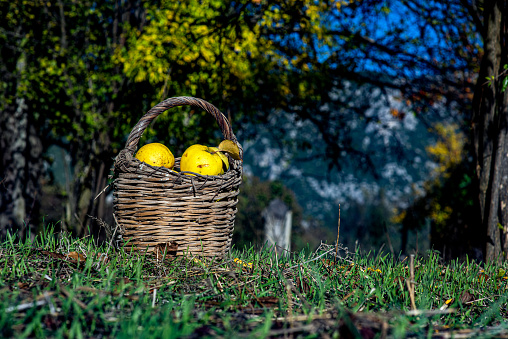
x: 156, y: 207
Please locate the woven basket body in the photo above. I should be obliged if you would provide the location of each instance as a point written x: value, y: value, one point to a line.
x: 155, y: 206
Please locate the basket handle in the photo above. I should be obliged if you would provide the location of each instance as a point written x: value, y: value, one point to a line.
x: 137, y: 131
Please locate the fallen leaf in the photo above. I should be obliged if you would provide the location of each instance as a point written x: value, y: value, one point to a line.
x: 482, y: 277
x: 466, y: 297
x: 76, y: 256
x: 23, y: 285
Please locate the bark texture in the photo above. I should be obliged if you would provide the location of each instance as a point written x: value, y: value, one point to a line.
x: 21, y: 170
x: 490, y: 127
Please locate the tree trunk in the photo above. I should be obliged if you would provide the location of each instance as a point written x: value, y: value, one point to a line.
x: 490, y: 128
x: 21, y: 164
x: 13, y: 141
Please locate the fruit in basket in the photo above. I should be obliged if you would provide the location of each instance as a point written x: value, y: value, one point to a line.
x: 156, y: 154
x: 225, y: 161
x: 201, y: 159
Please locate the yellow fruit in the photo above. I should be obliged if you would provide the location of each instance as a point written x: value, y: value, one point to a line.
x: 156, y: 154
x: 225, y: 161
x: 201, y: 159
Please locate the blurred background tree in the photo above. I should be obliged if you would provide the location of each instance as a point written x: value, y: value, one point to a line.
x: 447, y: 201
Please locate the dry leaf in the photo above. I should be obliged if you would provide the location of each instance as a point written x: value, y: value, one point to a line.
x: 466, y: 297
x: 482, y: 277
x: 76, y: 256
x: 231, y: 148
x: 23, y: 285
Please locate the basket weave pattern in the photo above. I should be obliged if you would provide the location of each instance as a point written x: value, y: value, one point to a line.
x: 156, y: 206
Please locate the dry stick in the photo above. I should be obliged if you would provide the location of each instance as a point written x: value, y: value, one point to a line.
x: 308, y: 261
x: 411, y: 282
x: 306, y: 317
x: 389, y: 239
x: 290, y: 304
x: 337, y: 242
x: 298, y: 294
x: 25, y: 306
x: 154, y: 297
x: 430, y: 312
x: 103, y: 190
x: 114, y: 232
x: 39, y: 301
x: 417, y: 240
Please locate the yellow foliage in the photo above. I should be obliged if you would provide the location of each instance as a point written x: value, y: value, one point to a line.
x: 187, y: 34
x: 440, y: 214
x: 398, y: 216
x: 448, y: 150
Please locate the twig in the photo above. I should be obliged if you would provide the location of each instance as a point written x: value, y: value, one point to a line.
x: 389, y: 239
x: 103, y: 190
x: 411, y: 282
x: 337, y: 242
x: 25, y: 306
x: 308, y: 261
x: 52, y: 308
x: 431, y: 312
x: 290, y: 304
x: 298, y: 294
x: 114, y: 232
x: 40, y: 301
x: 154, y: 297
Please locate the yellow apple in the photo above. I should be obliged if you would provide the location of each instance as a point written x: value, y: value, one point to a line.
x: 225, y: 161
x: 156, y: 154
x: 201, y: 159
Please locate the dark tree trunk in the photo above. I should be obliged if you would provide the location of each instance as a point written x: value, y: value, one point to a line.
x: 21, y: 165
x: 13, y: 143
x: 490, y: 128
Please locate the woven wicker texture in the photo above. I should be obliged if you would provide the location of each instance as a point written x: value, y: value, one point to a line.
x: 156, y: 207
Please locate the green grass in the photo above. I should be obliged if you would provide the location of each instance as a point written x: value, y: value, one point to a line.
x: 46, y: 292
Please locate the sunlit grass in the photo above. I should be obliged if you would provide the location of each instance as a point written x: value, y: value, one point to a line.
x: 60, y: 286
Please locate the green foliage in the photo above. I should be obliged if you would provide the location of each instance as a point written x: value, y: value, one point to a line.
x: 504, y: 79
